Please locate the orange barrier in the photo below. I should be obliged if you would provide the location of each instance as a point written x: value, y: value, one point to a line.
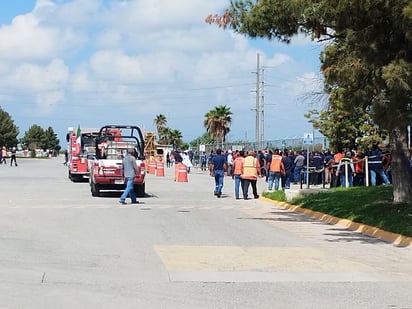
x: 151, y: 167
x: 176, y: 171
x: 160, y: 168
x: 181, y: 173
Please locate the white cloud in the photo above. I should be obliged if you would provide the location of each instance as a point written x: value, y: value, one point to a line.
x: 33, y: 77
x: 24, y: 39
x: 115, y: 65
x: 80, y: 58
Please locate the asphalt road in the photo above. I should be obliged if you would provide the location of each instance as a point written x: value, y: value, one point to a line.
x: 181, y: 247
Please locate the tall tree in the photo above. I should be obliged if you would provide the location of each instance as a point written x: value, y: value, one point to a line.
x: 175, y: 138
x: 164, y: 136
x: 8, y: 130
x: 345, y: 128
x: 160, y: 122
x: 33, y: 138
x: 370, y: 56
x: 217, y: 123
x: 50, y: 140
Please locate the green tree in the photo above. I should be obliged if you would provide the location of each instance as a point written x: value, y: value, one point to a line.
x: 175, y: 138
x: 8, y: 130
x: 217, y: 123
x: 370, y: 57
x: 50, y: 140
x: 33, y: 138
x: 165, y: 136
x: 345, y: 128
x: 38, y: 138
x: 204, y: 139
x: 160, y: 122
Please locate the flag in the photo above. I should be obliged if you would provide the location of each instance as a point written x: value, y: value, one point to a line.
x: 78, y: 135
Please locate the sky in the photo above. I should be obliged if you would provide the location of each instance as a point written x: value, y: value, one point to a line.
x: 65, y: 63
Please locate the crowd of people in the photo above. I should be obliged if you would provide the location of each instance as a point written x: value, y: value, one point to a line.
x: 281, y: 168
x: 341, y: 168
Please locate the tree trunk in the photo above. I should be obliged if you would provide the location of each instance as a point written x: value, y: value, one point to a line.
x: 401, y: 174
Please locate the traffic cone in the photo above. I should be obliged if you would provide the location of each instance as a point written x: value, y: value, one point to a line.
x: 152, y: 166
x: 160, y: 168
x: 182, y: 173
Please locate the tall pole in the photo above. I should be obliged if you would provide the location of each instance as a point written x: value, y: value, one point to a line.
x: 262, y: 113
x: 257, y: 133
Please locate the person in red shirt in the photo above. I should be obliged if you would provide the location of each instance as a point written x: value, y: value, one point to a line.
x: 359, y: 165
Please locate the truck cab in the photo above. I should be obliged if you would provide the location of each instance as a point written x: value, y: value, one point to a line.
x: 111, y: 146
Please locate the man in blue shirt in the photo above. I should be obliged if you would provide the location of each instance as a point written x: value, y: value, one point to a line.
x: 217, y: 168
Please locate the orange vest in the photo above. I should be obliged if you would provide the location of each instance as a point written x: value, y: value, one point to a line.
x: 238, y: 166
x: 249, y: 168
x: 337, y: 157
x: 276, y: 163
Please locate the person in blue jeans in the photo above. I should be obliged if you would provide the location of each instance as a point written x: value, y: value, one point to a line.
x: 375, y: 166
x: 217, y: 168
x: 237, y: 171
x: 276, y: 169
x: 299, y: 166
x: 129, y: 170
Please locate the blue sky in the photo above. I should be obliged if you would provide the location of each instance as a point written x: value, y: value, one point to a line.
x: 97, y: 62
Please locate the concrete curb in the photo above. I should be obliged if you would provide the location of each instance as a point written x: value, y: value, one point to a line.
x: 396, y: 239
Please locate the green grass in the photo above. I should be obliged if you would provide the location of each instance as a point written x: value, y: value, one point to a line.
x: 368, y: 205
x: 277, y: 195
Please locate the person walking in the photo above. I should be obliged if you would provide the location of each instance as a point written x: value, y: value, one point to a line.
x: 13, y: 157
x: 168, y: 160
x: 276, y: 169
x: 186, y: 161
x: 251, y: 171
x: 203, y: 160
x: 229, y: 159
x: 217, y: 168
x: 129, y: 170
x: 237, y: 171
x: 3, y: 155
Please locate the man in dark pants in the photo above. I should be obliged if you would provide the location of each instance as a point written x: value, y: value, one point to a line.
x: 13, y: 157
x: 251, y: 171
x: 217, y: 168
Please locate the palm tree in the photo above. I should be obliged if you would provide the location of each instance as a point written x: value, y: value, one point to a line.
x: 217, y: 122
x: 164, y: 136
x: 175, y: 138
x: 160, y: 122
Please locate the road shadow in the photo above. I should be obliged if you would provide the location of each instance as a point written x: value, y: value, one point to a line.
x: 286, y: 217
x: 348, y: 236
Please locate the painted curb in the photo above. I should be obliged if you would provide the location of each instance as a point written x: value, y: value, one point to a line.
x: 396, y: 239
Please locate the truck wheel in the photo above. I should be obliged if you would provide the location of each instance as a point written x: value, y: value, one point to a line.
x: 94, y: 188
x: 74, y: 177
x: 139, y: 190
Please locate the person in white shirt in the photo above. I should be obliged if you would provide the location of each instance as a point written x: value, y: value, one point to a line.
x: 229, y: 163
